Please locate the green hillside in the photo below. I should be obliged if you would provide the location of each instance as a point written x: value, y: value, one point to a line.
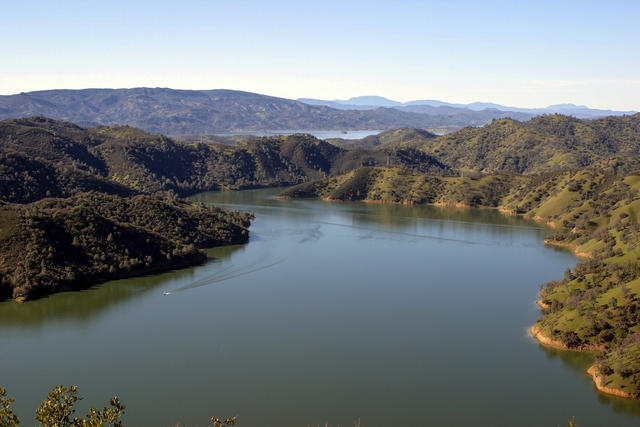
x: 385, y: 138
x: 75, y: 242
x: 542, y: 144
x: 43, y: 157
x: 401, y: 185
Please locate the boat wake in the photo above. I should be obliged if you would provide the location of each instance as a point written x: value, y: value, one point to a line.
x: 233, y: 271
x: 230, y: 272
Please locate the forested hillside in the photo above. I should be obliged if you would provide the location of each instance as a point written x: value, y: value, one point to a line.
x: 542, y: 144
x: 58, y: 244
x: 42, y: 157
x: 401, y: 185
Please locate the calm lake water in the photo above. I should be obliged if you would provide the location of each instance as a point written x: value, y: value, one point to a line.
x: 320, y: 134
x: 396, y: 315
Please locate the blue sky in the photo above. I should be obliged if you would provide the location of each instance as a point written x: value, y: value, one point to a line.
x: 519, y: 53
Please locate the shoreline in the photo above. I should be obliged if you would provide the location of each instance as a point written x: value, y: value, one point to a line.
x: 88, y: 283
x: 599, y: 383
x: 592, y: 371
x: 572, y: 246
x: 543, y: 305
x: 385, y: 202
x: 536, y: 334
x: 197, y: 258
x: 551, y: 224
x: 546, y: 340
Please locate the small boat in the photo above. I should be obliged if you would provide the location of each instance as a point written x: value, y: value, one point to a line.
x: 166, y: 293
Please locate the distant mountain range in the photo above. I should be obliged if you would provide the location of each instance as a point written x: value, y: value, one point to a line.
x: 435, y: 107
x: 201, y: 112
x: 188, y: 112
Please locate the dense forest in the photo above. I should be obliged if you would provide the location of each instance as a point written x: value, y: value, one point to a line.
x: 69, y: 243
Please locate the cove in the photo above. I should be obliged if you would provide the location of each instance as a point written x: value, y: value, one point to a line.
x: 397, y: 315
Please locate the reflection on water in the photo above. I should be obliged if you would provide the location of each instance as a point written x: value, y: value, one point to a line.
x: 85, y: 304
x: 580, y: 362
x: 397, y: 315
x: 320, y: 134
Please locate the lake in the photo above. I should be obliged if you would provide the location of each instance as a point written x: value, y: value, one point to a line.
x: 333, y: 312
x: 320, y: 134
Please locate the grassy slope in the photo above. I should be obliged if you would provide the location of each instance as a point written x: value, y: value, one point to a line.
x: 598, y: 303
x: 406, y: 186
x: 542, y: 144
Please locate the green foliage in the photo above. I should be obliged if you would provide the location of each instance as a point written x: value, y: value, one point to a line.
x: 7, y: 417
x: 108, y: 416
x: 217, y: 422
x: 57, y: 411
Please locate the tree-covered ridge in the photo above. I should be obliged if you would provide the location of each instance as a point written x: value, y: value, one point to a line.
x: 401, y: 185
x: 24, y: 180
x: 542, y: 144
x: 57, y: 244
x: 386, y: 138
x: 41, y: 157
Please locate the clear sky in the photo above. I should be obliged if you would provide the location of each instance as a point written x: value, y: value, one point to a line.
x: 520, y: 53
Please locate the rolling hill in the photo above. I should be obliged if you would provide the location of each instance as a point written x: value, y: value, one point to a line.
x: 542, y: 144
x: 42, y: 157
